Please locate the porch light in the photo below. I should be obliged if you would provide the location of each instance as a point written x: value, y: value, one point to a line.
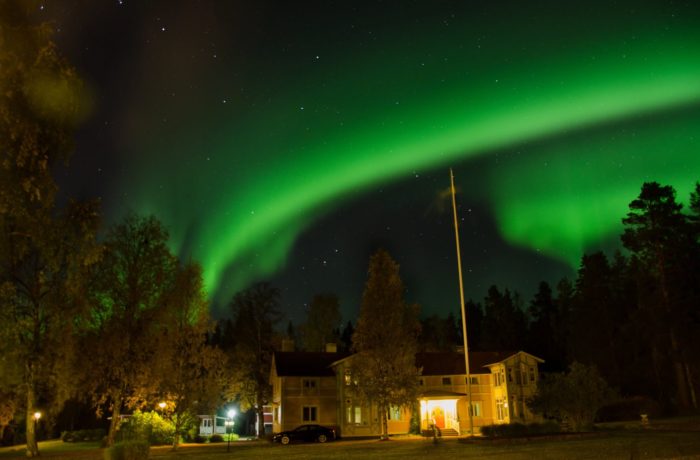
x: 37, y: 415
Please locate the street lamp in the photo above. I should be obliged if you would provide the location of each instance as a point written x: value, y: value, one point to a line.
x: 229, y: 424
x: 37, y: 416
x: 161, y: 405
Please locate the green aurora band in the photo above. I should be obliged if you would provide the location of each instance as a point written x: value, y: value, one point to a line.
x: 590, y: 124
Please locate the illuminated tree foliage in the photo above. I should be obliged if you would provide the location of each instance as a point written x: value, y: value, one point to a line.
x: 256, y: 312
x: 385, y: 372
x: 188, y: 369
x: 44, y: 251
x: 322, y: 322
x: 131, y: 288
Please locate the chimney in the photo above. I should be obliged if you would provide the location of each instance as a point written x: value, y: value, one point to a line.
x: 287, y: 345
x: 331, y: 348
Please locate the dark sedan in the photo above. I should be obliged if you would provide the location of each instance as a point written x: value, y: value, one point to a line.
x: 307, y: 433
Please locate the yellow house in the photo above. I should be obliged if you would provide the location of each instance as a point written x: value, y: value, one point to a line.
x: 501, y: 382
x: 303, y: 389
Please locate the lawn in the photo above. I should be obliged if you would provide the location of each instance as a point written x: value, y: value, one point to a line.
x: 676, y: 441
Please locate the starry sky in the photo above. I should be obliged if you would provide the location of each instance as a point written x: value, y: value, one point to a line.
x: 287, y: 141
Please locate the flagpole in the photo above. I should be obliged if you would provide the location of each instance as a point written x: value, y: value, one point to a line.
x: 461, y: 299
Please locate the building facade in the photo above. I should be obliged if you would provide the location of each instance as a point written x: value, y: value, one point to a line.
x: 318, y: 388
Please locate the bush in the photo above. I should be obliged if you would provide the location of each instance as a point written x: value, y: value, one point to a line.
x: 147, y: 426
x: 199, y: 439
x: 513, y: 430
x: 216, y: 438
x: 128, y: 450
x: 629, y: 409
x: 83, y: 435
x: 230, y: 437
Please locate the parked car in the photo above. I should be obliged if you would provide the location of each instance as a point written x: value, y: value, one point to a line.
x: 307, y: 433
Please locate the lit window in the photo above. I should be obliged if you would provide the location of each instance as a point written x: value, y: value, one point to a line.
x: 446, y: 381
x: 358, y: 414
x: 476, y: 409
x: 309, y: 414
x: 348, y: 377
x: 395, y: 413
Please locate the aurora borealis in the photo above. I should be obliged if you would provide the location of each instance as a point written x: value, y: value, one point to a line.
x: 283, y: 141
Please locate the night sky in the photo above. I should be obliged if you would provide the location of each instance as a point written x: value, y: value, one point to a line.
x: 287, y: 141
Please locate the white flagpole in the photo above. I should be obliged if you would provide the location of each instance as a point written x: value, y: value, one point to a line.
x: 461, y: 299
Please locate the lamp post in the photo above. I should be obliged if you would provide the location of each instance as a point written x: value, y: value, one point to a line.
x: 37, y: 416
x: 229, y: 423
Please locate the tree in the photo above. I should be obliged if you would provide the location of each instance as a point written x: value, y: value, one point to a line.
x: 256, y: 312
x: 131, y: 287
x: 660, y: 238
x: 346, y: 337
x: 42, y: 249
x: 504, y: 324
x: 543, y: 314
x: 42, y: 292
x: 386, y: 371
x: 596, y: 317
x: 575, y: 396
x: 322, y: 320
x: 189, y: 370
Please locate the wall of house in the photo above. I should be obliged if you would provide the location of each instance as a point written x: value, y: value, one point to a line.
x: 515, y: 383
x: 299, y: 392
x: 481, y: 397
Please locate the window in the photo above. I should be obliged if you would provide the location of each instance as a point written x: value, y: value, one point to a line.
x: 358, y: 414
x: 518, y: 380
x: 394, y: 413
x: 309, y: 414
x: 532, y: 374
x: 446, y: 381
x: 348, y: 377
x: 510, y: 374
x: 473, y: 380
x: 309, y: 383
x: 501, y: 409
x: 420, y: 382
x: 476, y: 409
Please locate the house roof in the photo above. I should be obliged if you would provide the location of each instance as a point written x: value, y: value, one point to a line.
x: 452, y: 363
x: 305, y: 363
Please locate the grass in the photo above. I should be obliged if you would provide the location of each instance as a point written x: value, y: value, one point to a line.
x: 666, y: 439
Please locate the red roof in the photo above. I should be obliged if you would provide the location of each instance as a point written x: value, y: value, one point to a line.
x: 452, y: 363
x: 306, y: 363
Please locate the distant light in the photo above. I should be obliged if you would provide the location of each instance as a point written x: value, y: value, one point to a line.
x: 231, y: 413
x: 37, y: 415
x: 161, y: 405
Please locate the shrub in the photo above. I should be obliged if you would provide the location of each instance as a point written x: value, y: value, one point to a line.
x: 128, y: 450
x: 230, y: 437
x: 513, y: 430
x: 216, y: 438
x: 629, y: 409
x: 83, y: 435
x: 149, y: 427
x: 199, y: 439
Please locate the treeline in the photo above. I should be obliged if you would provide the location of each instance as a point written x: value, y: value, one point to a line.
x: 635, y: 316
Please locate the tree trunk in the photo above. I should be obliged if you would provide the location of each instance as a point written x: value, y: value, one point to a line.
x: 178, y: 426
x: 261, y: 421
x: 385, y: 424
x: 32, y: 446
x: 114, y: 425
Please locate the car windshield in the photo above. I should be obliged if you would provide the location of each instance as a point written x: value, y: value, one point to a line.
x: 302, y: 428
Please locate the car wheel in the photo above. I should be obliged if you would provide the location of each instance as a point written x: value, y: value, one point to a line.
x: 285, y: 440
x: 322, y: 438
